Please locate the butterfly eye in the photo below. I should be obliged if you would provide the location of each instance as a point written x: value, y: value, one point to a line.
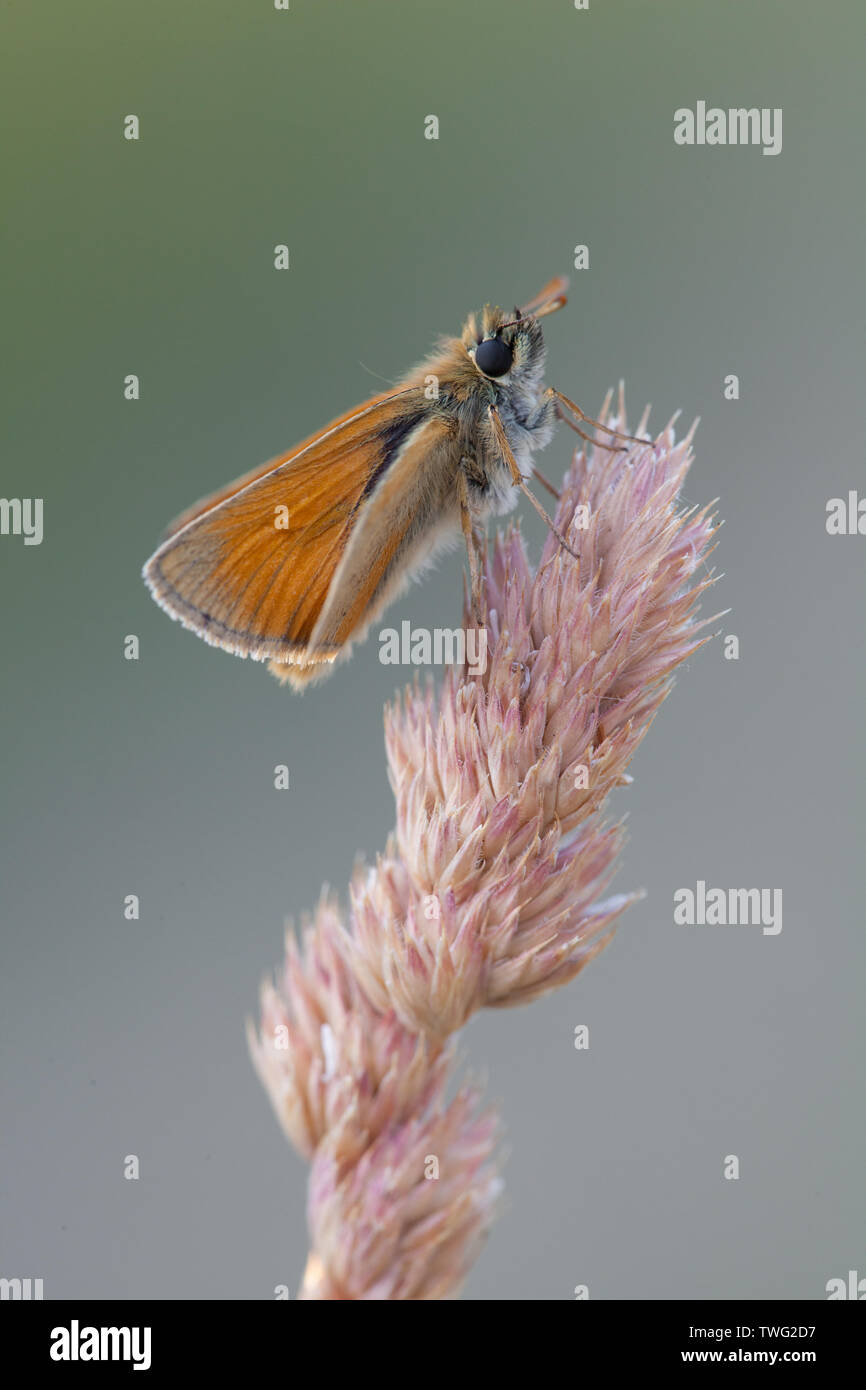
x: 493, y: 357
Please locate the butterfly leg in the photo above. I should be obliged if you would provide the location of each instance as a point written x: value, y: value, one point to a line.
x: 518, y: 479
x: 597, y: 443
x: 588, y: 420
x: 472, y: 550
x: 545, y: 482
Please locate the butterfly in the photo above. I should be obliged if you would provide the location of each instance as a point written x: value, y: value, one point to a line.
x: 291, y: 563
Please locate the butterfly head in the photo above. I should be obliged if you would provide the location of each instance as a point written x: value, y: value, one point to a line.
x: 508, y: 346
x: 500, y: 344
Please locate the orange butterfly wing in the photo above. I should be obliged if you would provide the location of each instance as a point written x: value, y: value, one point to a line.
x: 397, y: 530
x: 222, y: 494
x: 242, y: 581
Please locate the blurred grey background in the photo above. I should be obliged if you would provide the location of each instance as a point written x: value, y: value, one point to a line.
x: 156, y: 777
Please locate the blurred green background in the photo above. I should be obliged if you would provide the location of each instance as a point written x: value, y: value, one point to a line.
x: 156, y: 258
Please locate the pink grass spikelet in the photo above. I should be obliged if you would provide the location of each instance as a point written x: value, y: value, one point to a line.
x: 499, y: 779
x: 407, y: 1220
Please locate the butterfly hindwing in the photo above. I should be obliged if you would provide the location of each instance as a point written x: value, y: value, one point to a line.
x: 393, y: 533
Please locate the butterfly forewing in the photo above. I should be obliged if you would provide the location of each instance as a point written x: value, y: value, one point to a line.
x: 250, y: 567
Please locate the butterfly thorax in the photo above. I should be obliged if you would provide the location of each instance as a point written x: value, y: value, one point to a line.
x: 453, y: 387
